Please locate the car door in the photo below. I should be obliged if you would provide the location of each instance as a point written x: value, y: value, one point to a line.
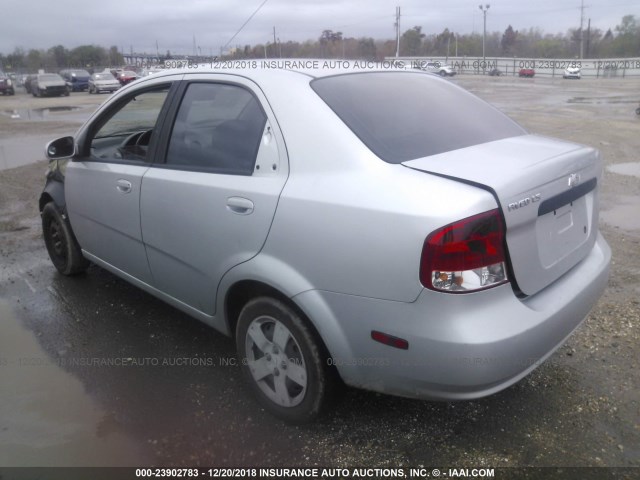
x: 102, y: 185
x: 209, y: 205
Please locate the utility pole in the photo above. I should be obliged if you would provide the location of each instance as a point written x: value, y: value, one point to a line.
x: 588, y: 36
x: 484, y: 9
x: 397, y: 24
x: 275, y: 45
x: 581, y: 34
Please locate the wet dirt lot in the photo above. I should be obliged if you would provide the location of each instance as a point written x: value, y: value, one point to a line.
x: 96, y: 372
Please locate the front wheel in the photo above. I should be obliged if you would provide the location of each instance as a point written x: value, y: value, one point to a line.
x: 637, y: 111
x: 61, y: 243
x: 282, y: 361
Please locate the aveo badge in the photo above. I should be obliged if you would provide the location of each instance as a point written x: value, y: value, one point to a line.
x: 535, y: 198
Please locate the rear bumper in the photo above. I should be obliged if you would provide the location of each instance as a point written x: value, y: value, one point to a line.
x: 460, y: 346
x: 54, y: 91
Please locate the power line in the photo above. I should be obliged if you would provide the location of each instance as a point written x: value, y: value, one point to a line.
x: 244, y: 24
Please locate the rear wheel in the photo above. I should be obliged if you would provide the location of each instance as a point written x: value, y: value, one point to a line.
x: 282, y: 361
x: 61, y: 243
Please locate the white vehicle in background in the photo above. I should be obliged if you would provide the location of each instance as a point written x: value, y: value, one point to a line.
x: 440, y: 68
x: 572, y: 72
x: 103, y: 82
x: 150, y: 71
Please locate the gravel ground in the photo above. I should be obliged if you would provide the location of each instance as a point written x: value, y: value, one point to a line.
x: 580, y: 408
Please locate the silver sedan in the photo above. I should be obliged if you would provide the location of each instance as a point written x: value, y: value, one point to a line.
x: 383, y: 229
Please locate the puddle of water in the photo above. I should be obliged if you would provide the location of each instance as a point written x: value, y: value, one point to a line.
x: 48, y: 113
x: 631, y: 168
x: 625, y: 214
x: 18, y: 151
x: 46, y: 417
x: 601, y: 100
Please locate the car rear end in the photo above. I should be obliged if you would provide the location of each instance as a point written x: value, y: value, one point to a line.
x: 78, y: 80
x: 469, y: 249
x: 6, y: 85
x: 127, y: 76
x: 572, y: 73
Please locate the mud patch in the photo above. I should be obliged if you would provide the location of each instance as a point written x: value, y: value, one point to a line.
x: 630, y: 168
x: 624, y: 214
x: 47, y: 419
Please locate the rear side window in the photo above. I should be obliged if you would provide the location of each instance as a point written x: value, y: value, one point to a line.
x: 402, y: 116
x: 218, y: 129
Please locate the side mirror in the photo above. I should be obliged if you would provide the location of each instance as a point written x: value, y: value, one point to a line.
x: 64, y: 147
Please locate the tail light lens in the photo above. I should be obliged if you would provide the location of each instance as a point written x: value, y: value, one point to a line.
x: 465, y: 256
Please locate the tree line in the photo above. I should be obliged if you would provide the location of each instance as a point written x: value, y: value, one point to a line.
x: 621, y: 41
x: 58, y: 57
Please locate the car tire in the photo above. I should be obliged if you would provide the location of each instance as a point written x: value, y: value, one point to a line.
x: 61, y: 243
x: 443, y: 73
x: 290, y: 374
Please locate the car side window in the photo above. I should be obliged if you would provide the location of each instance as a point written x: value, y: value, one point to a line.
x: 126, y: 134
x: 218, y: 128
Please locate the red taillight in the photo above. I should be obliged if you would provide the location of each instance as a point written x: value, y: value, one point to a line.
x: 390, y: 340
x: 466, y: 255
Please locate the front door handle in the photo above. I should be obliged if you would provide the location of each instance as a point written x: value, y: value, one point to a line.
x: 240, y: 205
x: 123, y: 186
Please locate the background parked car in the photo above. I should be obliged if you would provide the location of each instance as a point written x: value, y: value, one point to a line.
x: 124, y: 76
x: 526, y: 72
x: 48, y: 84
x: 6, y: 84
x: 103, y: 82
x: 572, y: 72
x: 28, y: 80
x: 440, y: 68
x: 76, y: 78
x: 495, y: 72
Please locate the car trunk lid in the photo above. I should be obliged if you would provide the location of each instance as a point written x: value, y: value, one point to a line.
x: 547, y: 191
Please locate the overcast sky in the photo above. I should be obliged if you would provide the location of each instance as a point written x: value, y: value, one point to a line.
x: 174, y: 23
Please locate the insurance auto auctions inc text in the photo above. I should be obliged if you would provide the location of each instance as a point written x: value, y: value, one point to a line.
x: 374, y: 472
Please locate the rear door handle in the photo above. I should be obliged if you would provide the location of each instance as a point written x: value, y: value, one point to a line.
x: 240, y: 205
x: 123, y: 186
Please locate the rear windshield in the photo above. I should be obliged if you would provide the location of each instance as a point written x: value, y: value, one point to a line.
x: 402, y: 116
x: 51, y: 77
